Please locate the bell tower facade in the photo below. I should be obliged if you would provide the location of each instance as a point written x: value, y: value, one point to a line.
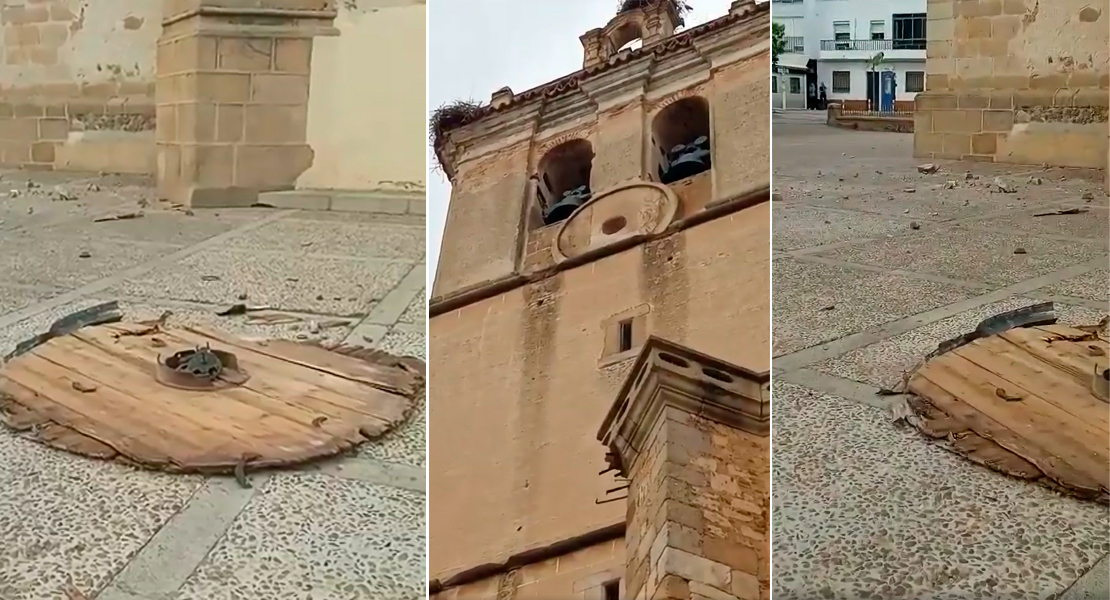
x: 602, y: 297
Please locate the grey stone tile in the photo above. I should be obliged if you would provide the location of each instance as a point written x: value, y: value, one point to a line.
x: 408, y: 443
x: 337, y: 238
x: 38, y: 259
x: 323, y: 285
x: 1093, y: 225
x: 798, y: 227
x: 173, y: 228
x: 14, y: 298
x: 866, y: 509
x: 417, y: 312
x: 970, y: 254
x: 1094, y: 285
x: 860, y: 300
x: 319, y: 537
x: 63, y: 517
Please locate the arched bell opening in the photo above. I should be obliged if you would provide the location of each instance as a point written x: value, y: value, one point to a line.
x: 563, y: 179
x: 681, y: 136
x: 629, y: 36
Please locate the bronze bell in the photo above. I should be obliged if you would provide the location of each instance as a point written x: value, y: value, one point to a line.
x: 687, y: 160
x: 572, y: 199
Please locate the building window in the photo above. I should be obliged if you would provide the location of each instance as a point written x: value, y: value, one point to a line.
x: 909, y: 31
x: 915, y: 81
x: 842, y: 34
x: 563, y: 181
x: 624, y: 334
x: 774, y: 84
x: 796, y: 44
x: 795, y: 85
x: 611, y: 590
x: 681, y: 134
x: 841, y: 82
x: 878, y: 30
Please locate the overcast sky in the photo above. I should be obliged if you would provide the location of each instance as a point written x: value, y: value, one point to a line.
x: 478, y: 46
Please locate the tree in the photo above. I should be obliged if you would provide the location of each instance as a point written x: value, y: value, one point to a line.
x: 778, y: 42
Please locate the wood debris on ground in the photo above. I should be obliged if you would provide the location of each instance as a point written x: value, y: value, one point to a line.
x: 95, y: 391
x: 1025, y: 401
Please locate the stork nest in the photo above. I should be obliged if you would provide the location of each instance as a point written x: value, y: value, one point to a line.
x: 680, y: 7
x: 451, y: 115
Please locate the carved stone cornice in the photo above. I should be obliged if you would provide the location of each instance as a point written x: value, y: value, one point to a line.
x: 670, y: 375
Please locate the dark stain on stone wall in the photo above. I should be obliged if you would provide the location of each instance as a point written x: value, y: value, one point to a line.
x: 664, y: 283
x: 537, y: 347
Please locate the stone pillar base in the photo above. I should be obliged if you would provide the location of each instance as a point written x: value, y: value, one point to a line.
x: 232, y: 98
x: 691, y: 434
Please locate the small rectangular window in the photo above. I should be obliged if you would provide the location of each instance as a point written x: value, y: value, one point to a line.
x: 625, y: 333
x: 915, y: 81
x: 612, y: 589
x: 878, y: 30
x: 795, y: 85
x: 841, y: 82
x: 774, y: 84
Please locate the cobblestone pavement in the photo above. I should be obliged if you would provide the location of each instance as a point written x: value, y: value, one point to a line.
x: 874, y: 264
x: 345, y: 529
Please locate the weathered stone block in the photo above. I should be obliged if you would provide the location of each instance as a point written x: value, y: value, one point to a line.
x: 984, y: 143
x: 252, y: 55
x: 279, y: 88
x: 293, y: 56
x: 998, y: 120
x: 694, y: 568
x: 276, y: 124
x: 230, y: 122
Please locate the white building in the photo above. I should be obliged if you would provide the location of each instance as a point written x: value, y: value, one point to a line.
x: 833, y: 42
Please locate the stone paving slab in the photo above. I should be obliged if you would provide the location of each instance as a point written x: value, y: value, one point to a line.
x: 325, y: 285
x: 318, y: 537
x: 386, y: 241
x: 976, y: 255
x: 865, y: 509
x: 39, y: 259
x: 1094, y: 285
x: 795, y: 227
x: 1093, y: 225
x: 804, y: 293
x: 66, y: 519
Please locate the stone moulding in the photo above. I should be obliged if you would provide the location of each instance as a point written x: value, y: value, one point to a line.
x: 669, y: 375
x: 255, y: 13
x: 652, y: 217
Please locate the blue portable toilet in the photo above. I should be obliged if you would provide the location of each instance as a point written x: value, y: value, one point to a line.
x: 888, y: 83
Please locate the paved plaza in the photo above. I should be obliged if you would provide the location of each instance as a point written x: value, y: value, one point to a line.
x: 874, y: 264
x: 352, y: 527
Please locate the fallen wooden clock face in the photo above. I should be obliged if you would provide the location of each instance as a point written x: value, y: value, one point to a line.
x: 190, y: 400
x: 1025, y: 402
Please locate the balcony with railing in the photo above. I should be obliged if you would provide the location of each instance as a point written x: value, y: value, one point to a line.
x: 900, y: 49
x: 795, y: 44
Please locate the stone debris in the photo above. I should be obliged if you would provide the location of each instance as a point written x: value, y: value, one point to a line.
x: 927, y: 168
x: 1020, y: 251
x: 948, y: 185
x: 1004, y: 186
x: 1035, y: 180
x: 85, y: 254
x: 909, y: 190
x: 915, y: 225
x: 120, y: 217
x: 1088, y: 196
x: 1066, y: 211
